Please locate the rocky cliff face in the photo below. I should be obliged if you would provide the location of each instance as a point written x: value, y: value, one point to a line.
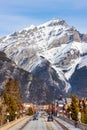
x: 50, y: 51
x: 78, y: 81
x: 33, y: 89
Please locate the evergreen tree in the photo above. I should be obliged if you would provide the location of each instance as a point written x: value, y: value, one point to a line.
x: 12, y: 98
x: 84, y: 118
x: 2, y: 114
x: 12, y: 87
x: 84, y: 112
x: 74, y: 108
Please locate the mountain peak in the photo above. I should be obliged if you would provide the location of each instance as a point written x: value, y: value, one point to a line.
x: 54, y: 22
x: 61, y: 45
x: 30, y: 27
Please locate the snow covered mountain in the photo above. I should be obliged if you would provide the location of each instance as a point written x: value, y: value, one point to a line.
x: 53, y: 51
x: 32, y: 88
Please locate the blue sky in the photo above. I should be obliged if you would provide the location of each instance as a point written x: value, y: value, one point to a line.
x: 17, y: 14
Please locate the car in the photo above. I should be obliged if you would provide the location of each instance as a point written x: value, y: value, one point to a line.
x: 50, y: 117
x: 35, y: 117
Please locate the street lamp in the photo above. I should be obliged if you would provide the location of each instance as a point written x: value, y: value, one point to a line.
x: 16, y: 115
x: 70, y: 114
x: 79, y: 116
x: 8, y: 115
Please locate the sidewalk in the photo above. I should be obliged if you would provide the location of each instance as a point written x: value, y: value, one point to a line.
x: 67, y: 125
x: 10, y: 124
x: 20, y: 124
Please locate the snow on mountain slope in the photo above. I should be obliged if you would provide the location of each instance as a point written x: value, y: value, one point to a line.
x: 60, y: 44
x: 83, y: 62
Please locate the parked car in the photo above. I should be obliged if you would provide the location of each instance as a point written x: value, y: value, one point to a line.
x: 50, y: 117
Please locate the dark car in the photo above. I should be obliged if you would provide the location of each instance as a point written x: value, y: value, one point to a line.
x: 35, y: 117
x: 50, y: 117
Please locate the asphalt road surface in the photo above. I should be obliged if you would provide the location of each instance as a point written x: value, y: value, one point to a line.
x: 42, y: 124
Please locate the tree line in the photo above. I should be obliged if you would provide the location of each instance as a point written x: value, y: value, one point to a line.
x: 77, y: 106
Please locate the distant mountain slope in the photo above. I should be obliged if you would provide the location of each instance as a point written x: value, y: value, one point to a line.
x: 33, y: 89
x: 78, y: 81
x: 51, y: 51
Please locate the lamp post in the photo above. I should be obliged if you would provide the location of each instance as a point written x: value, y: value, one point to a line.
x: 70, y: 114
x: 79, y: 116
x: 16, y: 115
x: 8, y: 115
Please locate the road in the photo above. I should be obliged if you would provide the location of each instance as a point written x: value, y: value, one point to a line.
x: 42, y: 124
